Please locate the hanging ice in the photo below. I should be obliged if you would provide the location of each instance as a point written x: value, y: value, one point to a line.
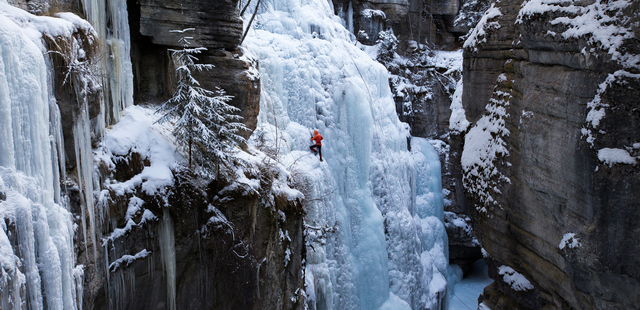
x: 41, y: 274
x: 373, y: 245
x: 111, y: 21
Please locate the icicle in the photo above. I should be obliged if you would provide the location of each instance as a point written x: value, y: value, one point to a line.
x: 168, y: 256
x: 350, y: 18
x: 117, y: 64
x: 84, y: 161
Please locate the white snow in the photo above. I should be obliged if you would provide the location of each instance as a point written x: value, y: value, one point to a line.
x: 616, y: 156
x: 119, y: 232
x: 458, y: 121
x: 126, y: 260
x: 596, y: 22
x: 569, y: 240
x: 597, y: 108
x: 368, y: 13
x: 482, y: 148
x: 517, y: 281
x: 487, y: 23
x: 134, y: 206
x: 136, y: 132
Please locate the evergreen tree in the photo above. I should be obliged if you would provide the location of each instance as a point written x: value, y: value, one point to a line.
x: 206, y: 127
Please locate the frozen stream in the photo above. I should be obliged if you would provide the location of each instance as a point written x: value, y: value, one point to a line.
x: 467, y: 290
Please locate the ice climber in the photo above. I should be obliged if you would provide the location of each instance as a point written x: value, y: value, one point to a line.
x: 317, y: 148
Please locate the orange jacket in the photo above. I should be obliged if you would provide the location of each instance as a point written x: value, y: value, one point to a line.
x: 317, y: 137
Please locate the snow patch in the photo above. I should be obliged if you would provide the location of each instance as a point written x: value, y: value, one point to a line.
x: 487, y: 23
x: 137, y: 132
x: 615, y: 156
x: 569, y: 240
x: 458, y: 122
x: 517, y: 281
x: 482, y: 148
x: 126, y: 260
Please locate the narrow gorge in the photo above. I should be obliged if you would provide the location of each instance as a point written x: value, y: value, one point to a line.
x: 456, y: 133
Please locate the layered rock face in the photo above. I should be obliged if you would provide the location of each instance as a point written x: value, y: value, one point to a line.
x: 217, y: 27
x: 418, y: 20
x: 550, y: 164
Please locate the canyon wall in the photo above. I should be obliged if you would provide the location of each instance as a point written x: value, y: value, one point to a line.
x: 550, y: 163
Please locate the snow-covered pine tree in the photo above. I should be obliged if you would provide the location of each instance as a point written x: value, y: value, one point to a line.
x: 206, y: 127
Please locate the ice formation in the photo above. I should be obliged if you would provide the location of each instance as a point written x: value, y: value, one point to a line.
x: 111, y: 21
x: 33, y: 218
x: 388, y: 248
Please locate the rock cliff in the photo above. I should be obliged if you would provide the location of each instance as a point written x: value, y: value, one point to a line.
x: 550, y: 164
x: 196, y: 245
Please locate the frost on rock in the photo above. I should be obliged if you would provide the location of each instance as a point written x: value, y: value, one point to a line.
x: 485, y: 26
x: 485, y: 149
x: 569, y: 240
x: 603, y: 23
x: 126, y: 260
x: 517, y: 281
x: 596, y: 108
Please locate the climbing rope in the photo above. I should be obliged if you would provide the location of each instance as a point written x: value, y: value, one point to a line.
x: 454, y: 294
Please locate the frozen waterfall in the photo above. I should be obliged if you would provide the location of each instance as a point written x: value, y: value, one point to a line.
x: 37, y: 259
x: 374, y: 222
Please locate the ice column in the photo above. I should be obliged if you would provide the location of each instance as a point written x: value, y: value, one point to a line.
x: 168, y: 256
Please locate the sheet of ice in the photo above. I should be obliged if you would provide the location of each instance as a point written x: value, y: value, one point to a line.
x: 467, y: 290
x: 314, y: 77
x: 43, y: 228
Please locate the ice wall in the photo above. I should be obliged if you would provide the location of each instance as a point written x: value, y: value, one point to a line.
x: 37, y: 260
x: 372, y: 243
